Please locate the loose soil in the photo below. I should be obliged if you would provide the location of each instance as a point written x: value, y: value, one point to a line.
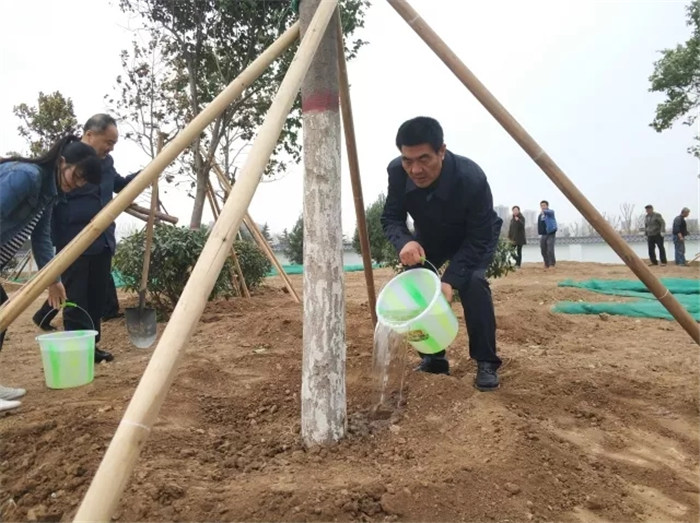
x: 596, y: 420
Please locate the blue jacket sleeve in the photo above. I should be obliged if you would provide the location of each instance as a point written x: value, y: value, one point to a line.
x: 394, y: 215
x: 16, y: 185
x: 481, y: 238
x: 42, y: 246
x: 122, y: 181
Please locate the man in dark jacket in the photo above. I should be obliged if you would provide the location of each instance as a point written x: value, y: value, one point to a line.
x: 450, y: 202
x: 654, y: 228
x: 680, y: 231
x: 86, y: 280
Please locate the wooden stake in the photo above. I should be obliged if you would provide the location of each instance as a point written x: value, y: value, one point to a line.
x: 126, y: 196
x: 240, y: 284
x: 257, y: 236
x: 354, y: 163
x: 145, y: 212
x: 550, y: 168
x: 113, y: 473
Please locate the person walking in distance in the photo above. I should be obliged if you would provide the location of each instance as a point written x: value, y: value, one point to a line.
x: 654, y: 227
x: 516, y: 234
x: 450, y: 202
x: 547, y: 229
x: 680, y: 231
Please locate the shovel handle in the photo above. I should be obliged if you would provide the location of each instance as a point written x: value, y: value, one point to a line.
x: 149, y: 230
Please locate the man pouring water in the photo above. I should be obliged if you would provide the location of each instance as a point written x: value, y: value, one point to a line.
x: 449, y: 200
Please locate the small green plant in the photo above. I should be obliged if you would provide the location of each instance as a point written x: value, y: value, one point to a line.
x: 174, y: 254
x: 381, y: 250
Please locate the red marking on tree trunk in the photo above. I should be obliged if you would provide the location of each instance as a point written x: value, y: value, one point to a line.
x: 320, y: 101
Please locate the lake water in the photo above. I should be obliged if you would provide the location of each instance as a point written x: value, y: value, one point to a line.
x: 580, y: 252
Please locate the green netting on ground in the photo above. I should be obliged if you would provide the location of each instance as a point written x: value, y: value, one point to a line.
x: 299, y: 269
x: 686, y: 291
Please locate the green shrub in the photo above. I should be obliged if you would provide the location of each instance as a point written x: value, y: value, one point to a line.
x: 381, y: 249
x: 173, y: 256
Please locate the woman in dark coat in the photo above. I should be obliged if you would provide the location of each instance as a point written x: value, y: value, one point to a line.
x: 516, y: 234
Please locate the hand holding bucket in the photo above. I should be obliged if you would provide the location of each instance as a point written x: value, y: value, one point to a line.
x: 413, y: 304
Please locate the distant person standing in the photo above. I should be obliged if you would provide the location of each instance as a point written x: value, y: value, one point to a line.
x: 680, y: 231
x: 654, y: 227
x: 516, y: 234
x: 547, y: 229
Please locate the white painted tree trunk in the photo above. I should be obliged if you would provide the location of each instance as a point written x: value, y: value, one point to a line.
x: 323, y: 407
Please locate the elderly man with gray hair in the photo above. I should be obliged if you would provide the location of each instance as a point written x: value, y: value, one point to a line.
x: 87, y: 278
x: 680, y: 231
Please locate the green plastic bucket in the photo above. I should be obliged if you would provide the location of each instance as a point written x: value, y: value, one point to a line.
x: 68, y: 357
x: 412, y: 303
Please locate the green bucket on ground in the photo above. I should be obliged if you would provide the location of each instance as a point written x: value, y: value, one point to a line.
x: 412, y: 303
x: 68, y: 358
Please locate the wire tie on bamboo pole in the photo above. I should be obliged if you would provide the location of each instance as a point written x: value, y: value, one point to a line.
x: 136, y: 424
x: 414, y: 19
x: 665, y: 294
x: 539, y: 155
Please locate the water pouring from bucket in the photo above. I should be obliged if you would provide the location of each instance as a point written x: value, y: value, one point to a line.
x: 68, y: 357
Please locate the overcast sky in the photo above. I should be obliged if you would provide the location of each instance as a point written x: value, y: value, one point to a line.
x: 574, y: 74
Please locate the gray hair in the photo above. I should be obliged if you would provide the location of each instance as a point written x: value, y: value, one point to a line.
x: 98, y: 123
x: 685, y: 209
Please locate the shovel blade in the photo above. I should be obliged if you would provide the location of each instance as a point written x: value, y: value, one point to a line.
x: 142, y: 326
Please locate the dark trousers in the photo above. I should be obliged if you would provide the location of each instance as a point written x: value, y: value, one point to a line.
x: 111, y: 300
x: 518, y: 255
x: 86, y: 285
x: 3, y: 299
x: 656, y: 241
x: 475, y: 295
x: 547, y: 249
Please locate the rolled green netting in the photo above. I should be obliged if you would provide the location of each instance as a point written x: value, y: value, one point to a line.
x: 686, y: 291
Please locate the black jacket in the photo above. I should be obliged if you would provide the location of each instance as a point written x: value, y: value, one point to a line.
x: 516, y: 231
x: 454, y: 218
x: 83, y: 204
x: 680, y: 226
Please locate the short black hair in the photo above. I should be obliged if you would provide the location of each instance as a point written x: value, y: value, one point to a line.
x: 544, y: 202
x: 99, y: 123
x: 515, y: 207
x: 650, y: 206
x: 419, y: 130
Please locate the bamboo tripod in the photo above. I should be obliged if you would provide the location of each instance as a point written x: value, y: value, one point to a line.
x: 113, y: 473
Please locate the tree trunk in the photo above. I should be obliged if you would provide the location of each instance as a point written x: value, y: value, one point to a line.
x: 323, y: 408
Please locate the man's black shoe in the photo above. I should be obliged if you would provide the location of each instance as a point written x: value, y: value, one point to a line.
x: 434, y: 365
x: 102, y: 355
x: 44, y: 325
x: 112, y: 316
x: 486, y: 376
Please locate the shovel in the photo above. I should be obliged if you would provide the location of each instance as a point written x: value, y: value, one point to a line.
x: 140, y: 321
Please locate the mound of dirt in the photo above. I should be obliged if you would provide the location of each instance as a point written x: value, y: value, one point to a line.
x: 596, y: 420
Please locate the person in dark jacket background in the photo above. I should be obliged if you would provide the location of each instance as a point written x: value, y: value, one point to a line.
x: 86, y: 280
x: 680, y: 231
x: 654, y: 228
x: 516, y: 234
x: 29, y: 189
x: 450, y: 202
x: 547, y: 229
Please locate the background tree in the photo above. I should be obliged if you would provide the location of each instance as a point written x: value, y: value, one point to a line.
x: 627, y: 219
x: 265, y: 231
x: 294, y: 248
x: 677, y: 75
x: 381, y: 250
x: 193, y: 49
x: 43, y: 124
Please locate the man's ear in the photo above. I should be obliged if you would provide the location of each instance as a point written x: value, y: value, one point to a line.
x: 442, y: 150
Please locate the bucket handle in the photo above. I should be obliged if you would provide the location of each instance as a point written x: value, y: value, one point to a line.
x: 69, y: 304
x: 423, y: 259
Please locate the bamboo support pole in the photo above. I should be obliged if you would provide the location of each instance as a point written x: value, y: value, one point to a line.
x: 354, y: 163
x: 216, y: 211
x: 550, y: 168
x: 258, y: 237
x: 126, y: 196
x: 113, y: 473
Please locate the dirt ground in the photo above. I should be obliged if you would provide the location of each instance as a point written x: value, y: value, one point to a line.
x: 596, y: 420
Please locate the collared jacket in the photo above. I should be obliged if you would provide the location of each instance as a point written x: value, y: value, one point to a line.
x: 454, y: 218
x: 680, y: 226
x: 654, y: 224
x: 25, y: 188
x: 546, y: 222
x: 516, y: 231
x: 83, y: 204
